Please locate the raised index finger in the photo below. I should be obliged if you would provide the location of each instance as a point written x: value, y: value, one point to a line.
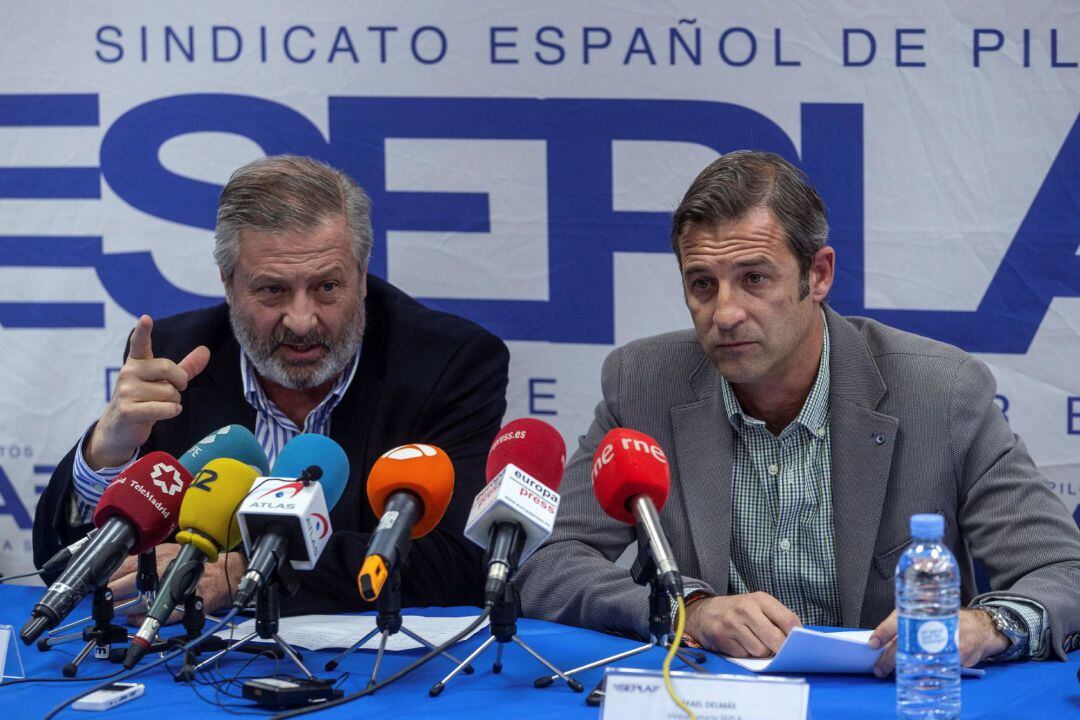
x: 139, y: 348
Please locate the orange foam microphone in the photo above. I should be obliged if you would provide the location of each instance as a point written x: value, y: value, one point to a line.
x: 409, y: 489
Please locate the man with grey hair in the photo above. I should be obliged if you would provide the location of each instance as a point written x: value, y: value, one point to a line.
x: 800, y: 442
x: 307, y: 341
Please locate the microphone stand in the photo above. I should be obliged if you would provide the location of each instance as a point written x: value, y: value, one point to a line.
x: 146, y: 585
x: 387, y: 623
x: 194, y: 621
x: 267, y: 618
x: 643, y: 572
x: 504, y: 616
x: 100, y: 636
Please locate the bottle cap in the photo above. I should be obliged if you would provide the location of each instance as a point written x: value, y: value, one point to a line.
x: 927, y: 526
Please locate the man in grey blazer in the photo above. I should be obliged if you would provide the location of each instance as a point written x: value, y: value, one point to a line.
x: 800, y: 443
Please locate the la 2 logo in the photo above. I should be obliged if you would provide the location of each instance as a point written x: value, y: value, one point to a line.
x: 204, y: 478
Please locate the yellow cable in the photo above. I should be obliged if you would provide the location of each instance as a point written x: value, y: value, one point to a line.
x: 676, y: 642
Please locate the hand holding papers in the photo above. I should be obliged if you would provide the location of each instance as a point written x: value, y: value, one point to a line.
x: 813, y: 651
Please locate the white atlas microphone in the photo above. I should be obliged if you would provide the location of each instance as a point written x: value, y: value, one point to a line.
x: 286, y: 517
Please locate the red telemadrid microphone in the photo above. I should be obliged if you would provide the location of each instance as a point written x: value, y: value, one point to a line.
x: 516, y: 511
x: 409, y: 489
x: 136, y: 512
x: 631, y: 480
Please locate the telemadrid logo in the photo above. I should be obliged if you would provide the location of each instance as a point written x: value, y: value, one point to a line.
x: 167, y: 478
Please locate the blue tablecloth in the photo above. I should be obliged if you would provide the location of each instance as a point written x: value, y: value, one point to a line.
x: 1018, y: 690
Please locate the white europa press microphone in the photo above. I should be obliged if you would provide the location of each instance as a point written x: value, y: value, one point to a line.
x: 515, y: 511
x: 286, y: 517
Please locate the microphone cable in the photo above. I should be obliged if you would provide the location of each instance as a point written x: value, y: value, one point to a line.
x: 473, y: 626
x: 92, y: 678
x: 676, y: 642
x: 138, y: 670
x: 106, y: 680
x: 5, y: 578
x: 221, y: 687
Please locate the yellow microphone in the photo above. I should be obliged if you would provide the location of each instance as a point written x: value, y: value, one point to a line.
x: 207, y: 527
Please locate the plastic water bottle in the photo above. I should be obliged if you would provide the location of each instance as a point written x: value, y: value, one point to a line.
x: 928, y: 607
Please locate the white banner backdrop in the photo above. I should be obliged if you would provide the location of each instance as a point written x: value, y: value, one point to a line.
x: 523, y: 162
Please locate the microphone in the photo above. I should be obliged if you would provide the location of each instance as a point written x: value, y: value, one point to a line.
x: 409, y: 489
x: 515, y: 512
x: 287, y: 516
x: 232, y: 441
x: 631, y: 480
x: 63, y: 556
x: 58, y: 561
x: 207, y: 527
x: 136, y: 512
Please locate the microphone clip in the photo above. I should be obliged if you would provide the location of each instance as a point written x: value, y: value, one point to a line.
x: 643, y: 570
x: 310, y: 474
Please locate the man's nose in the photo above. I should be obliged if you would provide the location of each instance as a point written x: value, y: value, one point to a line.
x: 300, y: 316
x: 728, y: 312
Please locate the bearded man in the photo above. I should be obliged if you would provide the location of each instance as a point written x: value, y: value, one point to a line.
x: 307, y: 341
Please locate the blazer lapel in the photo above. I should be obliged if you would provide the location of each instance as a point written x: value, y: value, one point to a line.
x: 861, y: 445
x: 703, y: 460
x: 219, y: 400
x: 351, y: 423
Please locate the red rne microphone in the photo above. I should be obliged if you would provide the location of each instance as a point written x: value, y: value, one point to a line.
x: 516, y: 511
x: 136, y: 512
x: 631, y: 480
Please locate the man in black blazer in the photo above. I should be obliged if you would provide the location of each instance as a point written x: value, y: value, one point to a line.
x: 307, y: 340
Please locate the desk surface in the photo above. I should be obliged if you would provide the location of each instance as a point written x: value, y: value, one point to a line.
x: 1019, y: 690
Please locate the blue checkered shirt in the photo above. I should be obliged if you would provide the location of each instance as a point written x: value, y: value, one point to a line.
x: 782, y: 539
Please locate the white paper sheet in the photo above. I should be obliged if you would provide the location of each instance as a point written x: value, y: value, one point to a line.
x: 321, y: 632
x: 813, y: 651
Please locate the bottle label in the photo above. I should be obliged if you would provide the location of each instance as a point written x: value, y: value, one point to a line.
x: 929, y: 635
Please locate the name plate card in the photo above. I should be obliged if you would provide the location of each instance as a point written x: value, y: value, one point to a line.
x: 641, y: 695
x: 10, y: 658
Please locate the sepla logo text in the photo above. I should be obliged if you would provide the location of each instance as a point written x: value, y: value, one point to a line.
x: 584, y: 228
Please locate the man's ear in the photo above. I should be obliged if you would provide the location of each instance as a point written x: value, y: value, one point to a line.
x: 822, y: 272
x: 363, y: 282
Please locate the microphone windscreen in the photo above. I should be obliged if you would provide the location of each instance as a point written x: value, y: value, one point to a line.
x: 629, y: 463
x: 148, y: 495
x: 309, y: 449
x: 532, y: 445
x: 231, y: 441
x: 208, y: 513
x: 424, y: 470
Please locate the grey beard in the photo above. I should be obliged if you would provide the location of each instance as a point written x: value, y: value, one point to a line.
x: 340, y: 351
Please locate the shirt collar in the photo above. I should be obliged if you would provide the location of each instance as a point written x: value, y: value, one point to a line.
x: 256, y: 395
x: 814, y: 415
